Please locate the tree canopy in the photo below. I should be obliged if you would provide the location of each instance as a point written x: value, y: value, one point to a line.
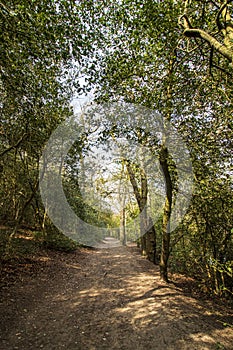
x: 172, y: 57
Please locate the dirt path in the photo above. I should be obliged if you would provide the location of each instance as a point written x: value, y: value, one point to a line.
x: 105, y: 299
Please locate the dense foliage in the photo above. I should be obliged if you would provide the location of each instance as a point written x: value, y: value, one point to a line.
x: 174, y: 57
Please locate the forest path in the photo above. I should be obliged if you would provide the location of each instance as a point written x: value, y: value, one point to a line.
x: 105, y: 299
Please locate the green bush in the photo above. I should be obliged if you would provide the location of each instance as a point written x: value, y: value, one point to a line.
x: 58, y: 241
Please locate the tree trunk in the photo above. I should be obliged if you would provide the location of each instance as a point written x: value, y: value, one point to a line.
x: 151, y: 241
x: 122, y: 225
x: 163, y: 159
x: 147, y: 230
x: 142, y: 233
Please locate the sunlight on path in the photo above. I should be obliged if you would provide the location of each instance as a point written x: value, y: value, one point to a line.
x: 109, y: 299
x: 108, y: 242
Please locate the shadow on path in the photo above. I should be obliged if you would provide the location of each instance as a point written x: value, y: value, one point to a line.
x: 109, y: 299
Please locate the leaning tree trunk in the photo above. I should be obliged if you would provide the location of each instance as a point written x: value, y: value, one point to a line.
x: 147, y: 230
x: 141, y: 197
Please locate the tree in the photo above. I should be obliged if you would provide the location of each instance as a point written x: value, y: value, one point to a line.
x: 38, y: 50
x: 146, y: 61
x: 148, y: 234
x: 134, y: 70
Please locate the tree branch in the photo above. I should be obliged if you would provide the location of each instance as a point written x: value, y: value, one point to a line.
x: 191, y: 32
x: 199, y: 33
x: 211, y: 60
x: 222, y: 8
x: 12, y: 147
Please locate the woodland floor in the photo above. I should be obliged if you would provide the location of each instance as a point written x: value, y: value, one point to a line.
x: 105, y: 299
